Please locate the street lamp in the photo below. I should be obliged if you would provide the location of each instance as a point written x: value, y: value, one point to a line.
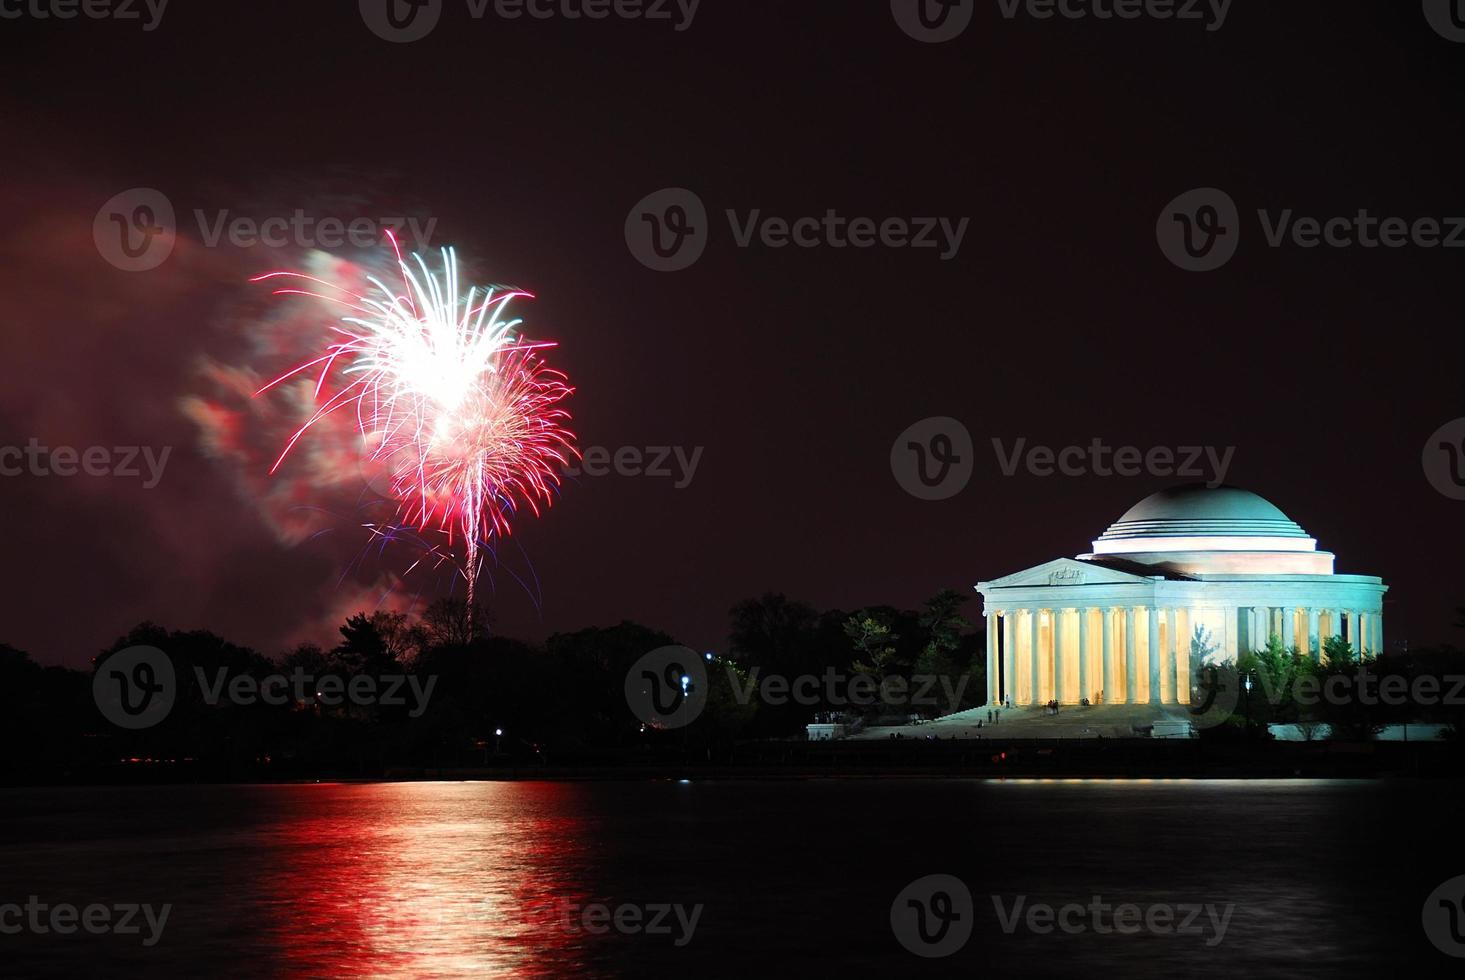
x: 498, y: 733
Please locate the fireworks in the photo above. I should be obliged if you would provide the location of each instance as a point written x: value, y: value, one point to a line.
x: 449, y: 397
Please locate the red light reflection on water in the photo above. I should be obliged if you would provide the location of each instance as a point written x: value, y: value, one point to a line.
x: 427, y: 879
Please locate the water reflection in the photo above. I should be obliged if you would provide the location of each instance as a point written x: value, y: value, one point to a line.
x: 418, y: 880
x: 788, y: 877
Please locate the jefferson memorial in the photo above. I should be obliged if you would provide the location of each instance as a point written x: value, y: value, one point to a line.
x: 1188, y: 572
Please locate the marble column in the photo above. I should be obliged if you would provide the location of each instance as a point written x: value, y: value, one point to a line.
x: 1289, y: 626
x: 1106, y: 681
x: 1180, y: 651
x: 1350, y: 631
x: 1036, y: 615
x: 1152, y: 655
x: 1083, y: 654
x: 1377, y: 619
x: 1260, y: 617
x: 1314, y: 640
x: 1060, y: 694
x: 1009, y: 656
x: 992, y: 626
x: 1129, y: 656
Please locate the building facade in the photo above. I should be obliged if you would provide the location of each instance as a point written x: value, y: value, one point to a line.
x: 1189, y: 575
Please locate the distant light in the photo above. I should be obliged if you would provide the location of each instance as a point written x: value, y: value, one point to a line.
x: 498, y: 731
x: 707, y: 656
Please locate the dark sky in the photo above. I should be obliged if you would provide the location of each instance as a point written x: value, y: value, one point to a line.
x: 1059, y: 320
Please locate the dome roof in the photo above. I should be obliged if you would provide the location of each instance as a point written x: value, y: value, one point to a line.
x: 1199, y: 511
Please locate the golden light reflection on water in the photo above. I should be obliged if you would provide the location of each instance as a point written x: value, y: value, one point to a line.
x: 428, y: 879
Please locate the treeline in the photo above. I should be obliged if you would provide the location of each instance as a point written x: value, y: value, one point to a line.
x: 441, y: 693
x: 1341, y: 694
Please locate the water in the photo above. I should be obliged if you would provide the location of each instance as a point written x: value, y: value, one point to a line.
x: 794, y: 878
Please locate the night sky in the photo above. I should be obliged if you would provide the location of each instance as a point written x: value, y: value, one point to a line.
x: 794, y: 370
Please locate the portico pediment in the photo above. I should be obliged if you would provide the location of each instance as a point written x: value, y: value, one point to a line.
x: 1065, y: 571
